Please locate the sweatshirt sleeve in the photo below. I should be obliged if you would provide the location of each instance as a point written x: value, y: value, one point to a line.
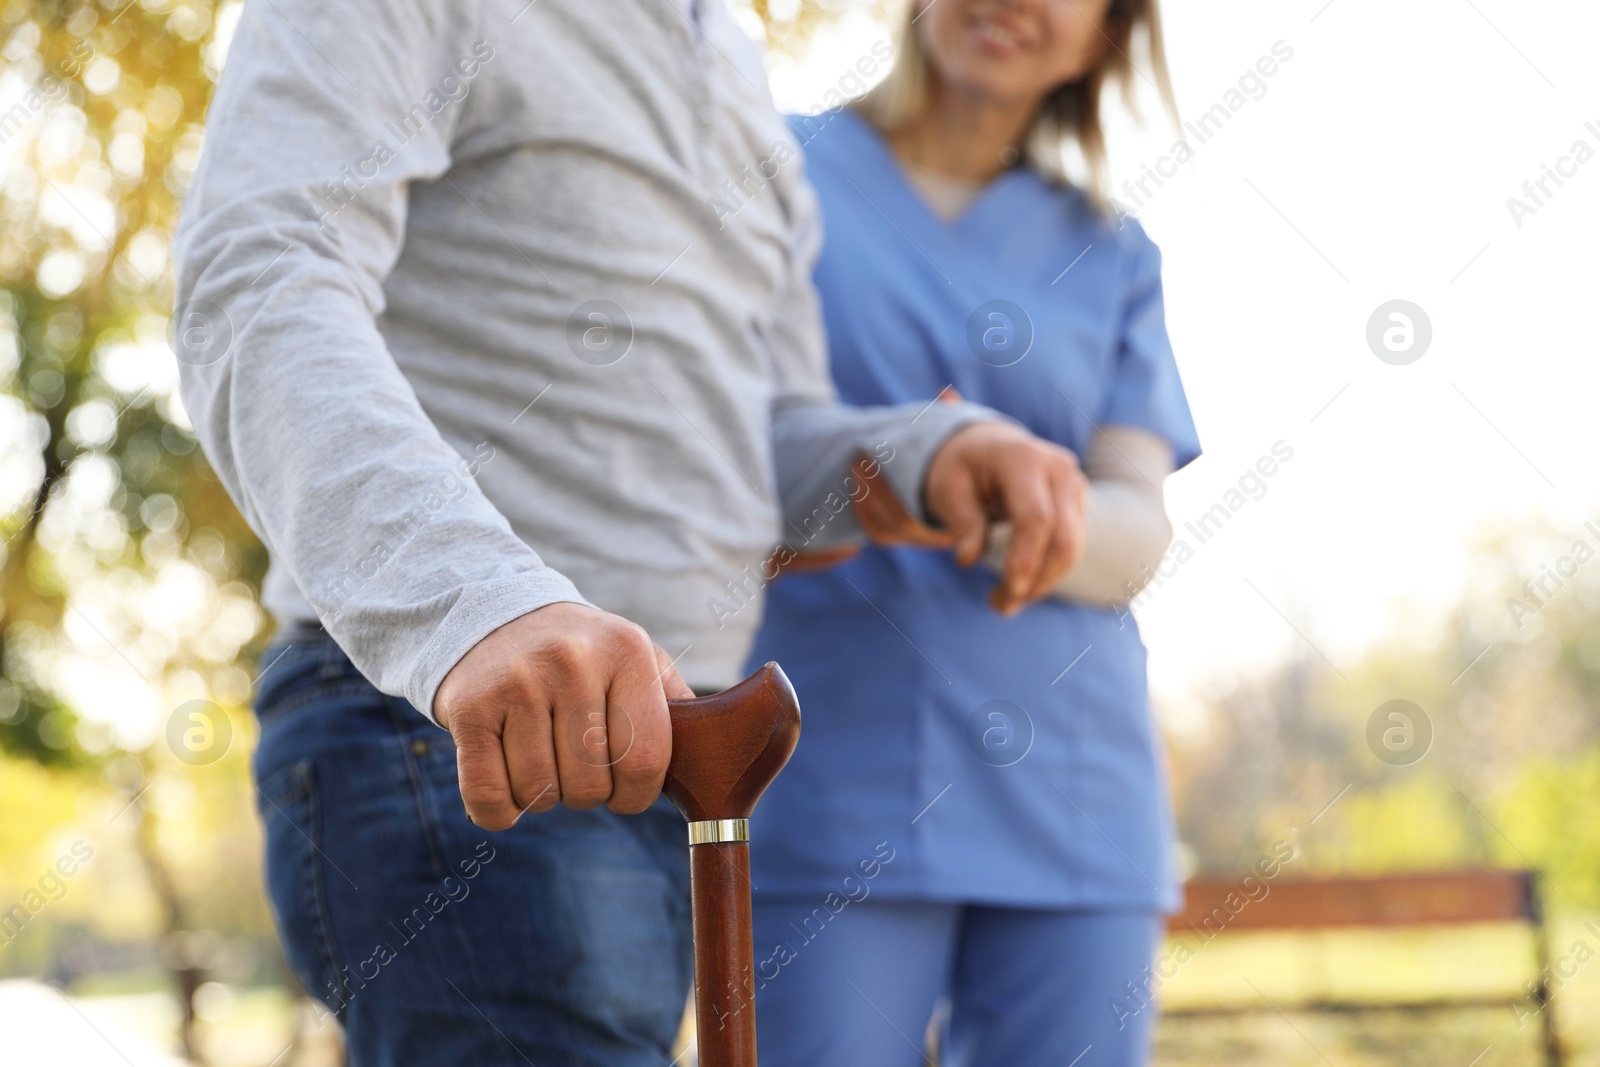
x: 816, y: 439
x: 324, y: 116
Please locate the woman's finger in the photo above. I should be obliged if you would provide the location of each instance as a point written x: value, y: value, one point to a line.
x: 964, y: 515
x: 1027, y: 500
x: 1066, y: 545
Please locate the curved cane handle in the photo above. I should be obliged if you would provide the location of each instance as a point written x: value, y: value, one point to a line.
x: 726, y: 750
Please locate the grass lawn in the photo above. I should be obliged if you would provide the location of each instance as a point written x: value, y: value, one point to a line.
x: 1266, y: 974
x: 1271, y: 973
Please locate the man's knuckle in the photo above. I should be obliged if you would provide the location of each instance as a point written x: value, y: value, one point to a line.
x: 566, y: 654
x: 632, y: 643
x: 1032, y: 510
x: 517, y: 674
x: 482, y: 796
x: 537, y: 795
x: 586, y: 795
x: 460, y: 698
x: 474, y: 724
x: 645, y: 758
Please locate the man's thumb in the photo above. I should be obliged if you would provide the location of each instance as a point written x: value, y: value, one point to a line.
x: 672, y: 682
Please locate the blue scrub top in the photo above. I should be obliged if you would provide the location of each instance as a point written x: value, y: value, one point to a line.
x: 1004, y: 761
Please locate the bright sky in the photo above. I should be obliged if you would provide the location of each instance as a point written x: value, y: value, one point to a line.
x: 1375, y: 167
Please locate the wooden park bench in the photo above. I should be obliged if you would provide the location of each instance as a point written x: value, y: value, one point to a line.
x: 1407, y: 900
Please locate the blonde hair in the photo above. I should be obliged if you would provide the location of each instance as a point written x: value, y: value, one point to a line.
x: 1069, y: 117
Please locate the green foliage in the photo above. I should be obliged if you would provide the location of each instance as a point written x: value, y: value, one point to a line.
x: 1547, y: 813
x: 1510, y: 682
x: 104, y: 479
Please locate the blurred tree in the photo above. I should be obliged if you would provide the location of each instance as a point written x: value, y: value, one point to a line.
x: 102, y: 476
x: 789, y: 25
x: 1509, y: 680
x: 110, y: 510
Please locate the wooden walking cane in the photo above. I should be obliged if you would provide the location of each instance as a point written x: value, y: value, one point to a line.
x: 726, y: 750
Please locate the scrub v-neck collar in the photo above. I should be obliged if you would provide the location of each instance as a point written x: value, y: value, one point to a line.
x: 901, y: 183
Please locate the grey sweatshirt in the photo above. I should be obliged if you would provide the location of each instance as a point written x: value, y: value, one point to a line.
x: 485, y: 304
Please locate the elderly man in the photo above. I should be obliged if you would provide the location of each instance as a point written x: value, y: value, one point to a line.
x: 521, y: 409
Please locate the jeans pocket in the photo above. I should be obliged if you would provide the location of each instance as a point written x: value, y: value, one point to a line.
x: 296, y: 879
x: 287, y: 670
x: 630, y: 924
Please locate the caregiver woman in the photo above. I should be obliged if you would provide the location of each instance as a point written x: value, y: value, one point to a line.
x: 977, y: 814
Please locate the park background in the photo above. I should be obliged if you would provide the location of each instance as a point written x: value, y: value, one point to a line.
x: 1386, y: 560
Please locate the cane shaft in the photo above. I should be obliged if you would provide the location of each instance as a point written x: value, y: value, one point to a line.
x: 726, y: 749
x: 724, y: 990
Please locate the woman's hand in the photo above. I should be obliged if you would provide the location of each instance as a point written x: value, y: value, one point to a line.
x: 994, y: 470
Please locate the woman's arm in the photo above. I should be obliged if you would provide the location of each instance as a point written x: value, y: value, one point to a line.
x: 1126, y: 518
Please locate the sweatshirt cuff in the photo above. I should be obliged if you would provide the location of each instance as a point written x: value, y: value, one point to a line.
x: 479, y: 611
x: 917, y: 442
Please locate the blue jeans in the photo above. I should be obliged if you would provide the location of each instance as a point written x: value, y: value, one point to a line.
x: 564, y: 940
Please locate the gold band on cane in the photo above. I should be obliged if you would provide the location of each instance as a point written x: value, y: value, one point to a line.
x: 719, y: 831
